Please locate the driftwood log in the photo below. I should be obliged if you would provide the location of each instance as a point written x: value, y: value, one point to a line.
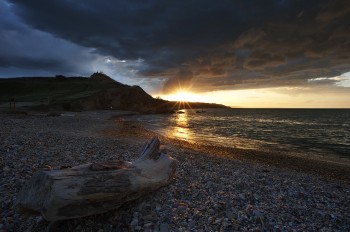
x: 97, y: 187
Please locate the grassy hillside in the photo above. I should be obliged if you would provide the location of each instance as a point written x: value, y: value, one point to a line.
x: 83, y: 93
x: 37, y: 89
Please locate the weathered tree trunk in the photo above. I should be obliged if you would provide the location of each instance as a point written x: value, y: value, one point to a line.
x: 96, y: 188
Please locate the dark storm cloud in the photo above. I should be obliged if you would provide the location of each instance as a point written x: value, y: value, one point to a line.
x: 25, y: 51
x: 209, y: 45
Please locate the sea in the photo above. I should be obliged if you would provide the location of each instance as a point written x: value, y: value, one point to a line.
x: 311, y: 132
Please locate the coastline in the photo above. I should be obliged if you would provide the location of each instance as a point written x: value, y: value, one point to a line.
x: 327, y: 168
x: 216, y: 188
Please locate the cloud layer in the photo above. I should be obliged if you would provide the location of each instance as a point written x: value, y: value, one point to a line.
x: 208, y: 45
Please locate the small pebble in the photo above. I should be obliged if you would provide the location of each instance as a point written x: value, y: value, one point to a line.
x: 209, y: 193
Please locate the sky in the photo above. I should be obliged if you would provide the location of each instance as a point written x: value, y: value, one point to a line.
x: 242, y: 53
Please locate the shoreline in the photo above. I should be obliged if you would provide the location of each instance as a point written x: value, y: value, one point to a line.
x: 211, y: 191
x: 307, y: 164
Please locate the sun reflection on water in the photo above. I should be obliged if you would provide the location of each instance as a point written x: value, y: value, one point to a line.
x: 181, y: 129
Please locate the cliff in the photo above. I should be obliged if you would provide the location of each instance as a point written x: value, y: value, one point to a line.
x: 98, y: 91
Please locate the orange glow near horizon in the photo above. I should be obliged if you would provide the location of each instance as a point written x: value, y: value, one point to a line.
x: 183, y: 96
x: 283, y: 97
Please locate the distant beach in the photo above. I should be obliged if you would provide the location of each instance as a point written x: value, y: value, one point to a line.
x: 216, y: 188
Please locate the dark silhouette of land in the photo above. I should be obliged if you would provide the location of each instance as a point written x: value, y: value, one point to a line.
x: 96, y: 92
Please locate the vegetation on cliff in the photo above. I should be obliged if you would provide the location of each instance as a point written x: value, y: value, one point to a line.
x: 98, y: 91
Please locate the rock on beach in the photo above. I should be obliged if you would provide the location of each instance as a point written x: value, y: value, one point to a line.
x: 209, y: 193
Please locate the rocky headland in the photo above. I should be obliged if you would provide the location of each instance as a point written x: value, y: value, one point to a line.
x: 97, y: 92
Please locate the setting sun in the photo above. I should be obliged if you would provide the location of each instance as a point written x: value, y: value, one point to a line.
x: 183, y: 96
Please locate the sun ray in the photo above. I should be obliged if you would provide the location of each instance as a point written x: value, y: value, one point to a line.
x: 183, y: 96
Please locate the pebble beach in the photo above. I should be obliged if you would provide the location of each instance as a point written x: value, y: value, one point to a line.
x: 215, y: 189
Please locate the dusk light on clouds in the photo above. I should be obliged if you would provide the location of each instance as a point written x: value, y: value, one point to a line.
x: 280, y: 53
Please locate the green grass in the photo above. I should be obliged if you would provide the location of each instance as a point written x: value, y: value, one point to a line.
x: 42, y: 93
x: 38, y: 90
